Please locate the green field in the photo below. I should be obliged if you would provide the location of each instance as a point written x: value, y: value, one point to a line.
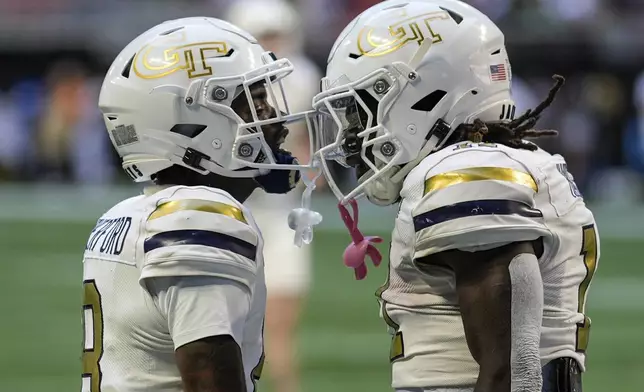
x: 344, y: 345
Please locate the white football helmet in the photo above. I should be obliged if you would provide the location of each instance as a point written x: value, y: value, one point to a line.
x: 167, y: 101
x: 401, y: 77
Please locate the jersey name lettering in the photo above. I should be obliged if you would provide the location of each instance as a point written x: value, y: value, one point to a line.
x: 111, y: 233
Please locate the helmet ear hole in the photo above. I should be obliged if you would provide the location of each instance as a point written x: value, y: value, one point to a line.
x: 429, y: 102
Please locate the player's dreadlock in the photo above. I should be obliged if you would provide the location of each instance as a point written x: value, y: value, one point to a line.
x: 512, y: 134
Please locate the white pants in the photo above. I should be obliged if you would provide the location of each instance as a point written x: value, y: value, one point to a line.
x: 287, y: 267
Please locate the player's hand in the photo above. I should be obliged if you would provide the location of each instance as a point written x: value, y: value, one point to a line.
x: 280, y: 181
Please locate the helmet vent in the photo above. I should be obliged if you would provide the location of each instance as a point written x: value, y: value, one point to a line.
x: 128, y: 66
x: 188, y: 130
x: 395, y: 6
x: 429, y: 102
x: 498, y: 51
x: 172, y: 30
x: 457, y: 18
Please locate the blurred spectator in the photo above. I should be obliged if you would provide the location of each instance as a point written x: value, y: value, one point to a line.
x: 11, y: 148
x: 91, y: 151
x: 523, y: 94
x: 633, y: 141
x: 571, y: 10
x: 69, y: 135
x: 494, y: 9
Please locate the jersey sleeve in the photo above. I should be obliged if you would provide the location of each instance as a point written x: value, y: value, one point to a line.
x: 197, y: 307
x: 200, y: 234
x: 476, y: 202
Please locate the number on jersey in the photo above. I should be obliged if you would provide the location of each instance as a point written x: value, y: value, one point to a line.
x: 589, y: 253
x: 92, y: 337
x: 574, y: 189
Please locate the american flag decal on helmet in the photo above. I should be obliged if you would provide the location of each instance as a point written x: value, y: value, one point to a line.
x: 498, y: 73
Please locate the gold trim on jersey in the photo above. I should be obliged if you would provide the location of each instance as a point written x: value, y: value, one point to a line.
x: 397, y: 347
x: 213, y: 207
x: 256, y: 373
x: 590, y: 254
x: 445, y: 180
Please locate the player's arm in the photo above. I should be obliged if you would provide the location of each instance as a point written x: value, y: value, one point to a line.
x: 481, y: 222
x: 212, y: 364
x: 200, y: 269
x: 206, y: 317
x: 501, y: 299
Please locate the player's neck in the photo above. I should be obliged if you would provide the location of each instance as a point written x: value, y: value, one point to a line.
x: 240, y: 189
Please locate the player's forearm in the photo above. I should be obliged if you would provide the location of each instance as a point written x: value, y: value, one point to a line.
x: 501, y: 299
x: 521, y: 372
x: 485, y: 295
x: 212, y: 364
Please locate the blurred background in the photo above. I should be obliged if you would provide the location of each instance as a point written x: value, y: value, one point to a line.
x: 58, y: 174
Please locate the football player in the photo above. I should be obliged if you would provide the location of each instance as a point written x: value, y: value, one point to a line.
x: 174, y: 292
x: 493, y: 248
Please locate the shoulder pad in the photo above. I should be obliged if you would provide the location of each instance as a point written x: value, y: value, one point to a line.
x: 476, y: 199
x: 200, y: 231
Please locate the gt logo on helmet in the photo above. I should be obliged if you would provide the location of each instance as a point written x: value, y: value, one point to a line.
x: 164, y: 57
x: 376, y: 41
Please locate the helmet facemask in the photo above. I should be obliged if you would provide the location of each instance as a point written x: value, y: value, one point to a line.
x: 350, y: 132
x: 256, y: 107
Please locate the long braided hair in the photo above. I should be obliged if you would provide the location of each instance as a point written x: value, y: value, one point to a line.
x: 512, y: 134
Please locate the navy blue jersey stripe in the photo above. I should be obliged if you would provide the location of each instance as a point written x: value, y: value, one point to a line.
x: 201, y: 237
x: 474, y: 208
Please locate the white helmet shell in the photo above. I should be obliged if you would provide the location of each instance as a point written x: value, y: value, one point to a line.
x: 167, y: 98
x: 413, y: 71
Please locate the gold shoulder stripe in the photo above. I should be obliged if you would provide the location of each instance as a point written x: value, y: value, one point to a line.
x: 444, y: 180
x: 213, y: 207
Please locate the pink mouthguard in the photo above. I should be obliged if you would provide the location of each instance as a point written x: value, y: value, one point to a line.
x: 356, y: 253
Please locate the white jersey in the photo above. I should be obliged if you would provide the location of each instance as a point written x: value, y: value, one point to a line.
x: 176, y: 234
x: 475, y: 197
